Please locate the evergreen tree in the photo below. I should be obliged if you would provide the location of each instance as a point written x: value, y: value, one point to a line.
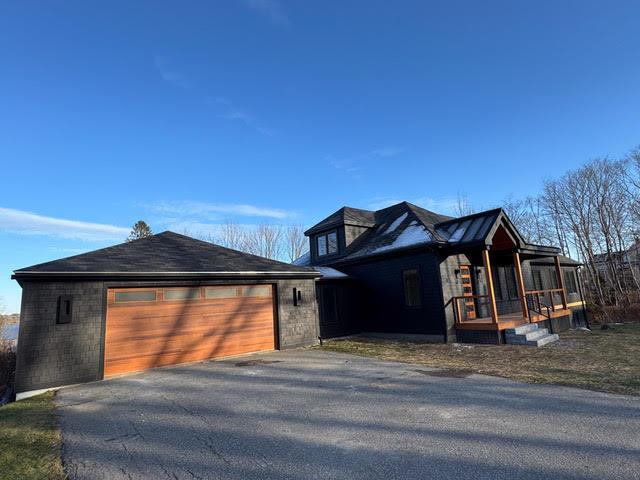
x: 139, y: 230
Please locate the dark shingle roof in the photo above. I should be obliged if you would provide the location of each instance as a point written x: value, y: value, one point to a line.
x: 399, y: 226
x: 346, y: 216
x: 161, y: 254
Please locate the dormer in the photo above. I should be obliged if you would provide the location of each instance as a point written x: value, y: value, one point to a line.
x: 331, y: 238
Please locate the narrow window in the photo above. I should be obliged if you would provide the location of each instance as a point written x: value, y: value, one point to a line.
x: 322, y: 245
x: 411, y: 283
x: 537, y: 279
x: 332, y: 242
x: 182, y: 294
x: 221, y: 292
x: 512, y: 287
x: 65, y: 309
x: 136, y: 296
x: 256, y: 291
x: 570, y: 283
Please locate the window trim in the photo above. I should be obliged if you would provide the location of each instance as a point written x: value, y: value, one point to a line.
x: 325, y: 237
x: 406, y: 299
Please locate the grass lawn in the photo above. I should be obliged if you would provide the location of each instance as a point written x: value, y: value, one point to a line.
x: 30, y: 440
x: 604, y: 360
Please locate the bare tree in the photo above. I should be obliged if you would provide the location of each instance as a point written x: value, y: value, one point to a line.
x: 295, y: 243
x: 232, y: 235
x: 462, y: 207
x: 266, y: 241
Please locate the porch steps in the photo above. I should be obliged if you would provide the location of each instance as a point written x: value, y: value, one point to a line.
x: 529, y: 334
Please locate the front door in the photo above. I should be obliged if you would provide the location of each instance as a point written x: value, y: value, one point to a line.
x: 467, y: 291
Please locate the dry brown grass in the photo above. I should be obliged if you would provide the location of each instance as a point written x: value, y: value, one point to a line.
x: 604, y: 360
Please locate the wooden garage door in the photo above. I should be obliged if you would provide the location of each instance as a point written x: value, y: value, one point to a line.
x: 151, y: 327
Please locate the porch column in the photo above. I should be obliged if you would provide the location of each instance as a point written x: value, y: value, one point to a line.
x: 560, y: 278
x: 521, y: 290
x: 492, y: 295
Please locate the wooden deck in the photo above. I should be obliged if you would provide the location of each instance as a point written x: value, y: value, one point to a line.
x: 505, y: 321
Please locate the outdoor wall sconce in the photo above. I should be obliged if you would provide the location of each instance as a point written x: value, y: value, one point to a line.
x: 297, y: 297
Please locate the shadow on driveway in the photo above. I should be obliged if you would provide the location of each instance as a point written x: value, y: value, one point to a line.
x: 309, y: 414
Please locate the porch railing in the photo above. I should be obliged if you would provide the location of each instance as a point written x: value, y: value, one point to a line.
x: 543, y: 302
x: 462, y: 313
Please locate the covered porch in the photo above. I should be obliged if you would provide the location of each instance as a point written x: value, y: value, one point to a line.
x: 494, y: 293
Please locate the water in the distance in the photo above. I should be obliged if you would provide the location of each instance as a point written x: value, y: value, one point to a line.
x: 10, y: 332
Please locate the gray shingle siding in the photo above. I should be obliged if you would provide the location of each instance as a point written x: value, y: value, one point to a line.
x: 298, y: 325
x: 51, y: 354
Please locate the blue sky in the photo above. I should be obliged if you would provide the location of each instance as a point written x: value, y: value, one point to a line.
x: 188, y: 114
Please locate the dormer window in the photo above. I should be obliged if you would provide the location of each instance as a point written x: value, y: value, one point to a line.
x: 327, y: 243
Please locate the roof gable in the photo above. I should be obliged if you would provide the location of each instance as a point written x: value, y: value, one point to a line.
x: 345, y: 216
x: 399, y: 226
x: 164, y: 253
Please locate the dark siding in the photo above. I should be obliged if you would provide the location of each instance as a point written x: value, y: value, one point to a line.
x: 338, y: 303
x: 383, y: 308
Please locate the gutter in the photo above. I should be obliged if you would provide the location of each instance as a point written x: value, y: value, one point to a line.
x: 25, y: 275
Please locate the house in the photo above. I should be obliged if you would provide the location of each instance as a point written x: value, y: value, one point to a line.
x: 404, y: 269
x: 157, y: 301
x: 626, y: 262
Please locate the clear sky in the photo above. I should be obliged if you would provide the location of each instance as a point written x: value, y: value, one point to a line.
x: 187, y: 114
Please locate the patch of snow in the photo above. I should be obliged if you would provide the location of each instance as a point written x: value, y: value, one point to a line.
x: 412, y: 235
x: 328, y: 272
x: 302, y: 261
x: 460, y: 231
x: 396, y: 223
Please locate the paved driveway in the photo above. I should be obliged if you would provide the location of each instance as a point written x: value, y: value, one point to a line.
x: 312, y: 414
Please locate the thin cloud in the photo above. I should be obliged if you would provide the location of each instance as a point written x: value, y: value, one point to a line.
x: 170, y: 74
x: 230, y: 111
x: 28, y: 223
x: 272, y: 9
x: 445, y: 205
x: 356, y: 164
x: 216, y: 211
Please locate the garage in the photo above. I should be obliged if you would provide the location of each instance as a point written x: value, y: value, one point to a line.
x: 163, y: 300
x: 154, y: 327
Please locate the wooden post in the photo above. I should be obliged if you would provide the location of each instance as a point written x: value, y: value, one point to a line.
x: 521, y: 290
x: 560, y: 282
x: 492, y: 295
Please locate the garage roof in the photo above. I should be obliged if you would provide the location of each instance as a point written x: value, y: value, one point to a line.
x: 164, y: 254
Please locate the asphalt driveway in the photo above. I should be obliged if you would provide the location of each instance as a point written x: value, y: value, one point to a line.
x: 309, y: 414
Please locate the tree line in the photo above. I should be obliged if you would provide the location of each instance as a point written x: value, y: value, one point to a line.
x: 592, y: 213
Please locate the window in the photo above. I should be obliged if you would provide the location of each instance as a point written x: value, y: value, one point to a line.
x: 182, y: 294
x: 570, y: 283
x: 65, y: 309
x: 257, y: 291
x: 322, y: 245
x: 537, y: 279
x: 136, y: 296
x: 505, y: 284
x: 327, y: 243
x: 411, y: 283
x: 221, y: 292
